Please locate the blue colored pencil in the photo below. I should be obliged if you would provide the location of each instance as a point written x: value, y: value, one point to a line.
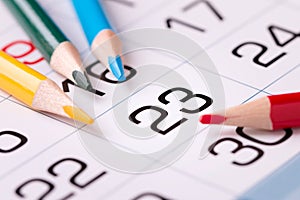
x: 104, y: 43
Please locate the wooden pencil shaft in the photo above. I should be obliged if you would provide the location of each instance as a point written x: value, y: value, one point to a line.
x: 270, y: 113
x: 285, y: 110
x: 18, y: 79
x: 43, y: 32
x: 92, y: 18
x: 36, y: 90
x: 252, y: 114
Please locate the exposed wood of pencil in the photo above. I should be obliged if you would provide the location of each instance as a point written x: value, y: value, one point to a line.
x: 50, y: 98
x: 66, y: 61
x: 106, y: 44
x: 49, y: 39
x: 254, y: 114
x: 272, y: 113
x: 36, y: 90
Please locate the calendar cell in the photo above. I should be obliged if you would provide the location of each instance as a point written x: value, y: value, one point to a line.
x: 7, y: 18
x: 130, y: 10
x: 146, y: 124
x: 164, y: 186
x: 262, y: 51
x: 66, y: 20
x: 150, y: 122
x: 20, y: 143
x: 283, y: 85
x: 228, y: 160
x: 101, y: 100
x: 3, y: 94
x: 64, y: 171
x: 17, y: 44
x: 203, y: 21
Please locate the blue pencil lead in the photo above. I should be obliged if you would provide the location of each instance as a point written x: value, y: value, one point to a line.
x: 116, y: 66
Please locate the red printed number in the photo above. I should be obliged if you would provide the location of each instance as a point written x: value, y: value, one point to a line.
x: 21, y: 49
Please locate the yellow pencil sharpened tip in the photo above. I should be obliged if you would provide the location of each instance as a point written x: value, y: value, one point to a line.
x: 78, y: 115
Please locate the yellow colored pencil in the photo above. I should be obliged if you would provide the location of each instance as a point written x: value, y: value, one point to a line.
x: 36, y: 90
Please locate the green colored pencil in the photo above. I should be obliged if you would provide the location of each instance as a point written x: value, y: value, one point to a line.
x: 63, y: 57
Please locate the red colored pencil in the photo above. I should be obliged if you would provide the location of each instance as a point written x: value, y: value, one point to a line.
x: 270, y: 113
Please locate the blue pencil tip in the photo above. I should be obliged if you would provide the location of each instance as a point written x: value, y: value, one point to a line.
x: 116, y: 66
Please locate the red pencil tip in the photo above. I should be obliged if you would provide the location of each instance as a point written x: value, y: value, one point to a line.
x: 212, y: 119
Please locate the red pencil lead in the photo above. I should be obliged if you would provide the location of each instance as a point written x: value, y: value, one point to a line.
x: 212, y: 119
x: 270, y: 113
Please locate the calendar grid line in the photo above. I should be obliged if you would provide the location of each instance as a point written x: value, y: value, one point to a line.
x: 106, y: 111
x: 228, y: 191
x: 148, y: 13
x: 162, y: 75
x: 280, y: 77
x: 205, y: 69
x: 184, y: 173
x: 3, y: 100
x: 62, y: 139
x: 254, y: 95
x: 19, y: 166
x: 50, y: 72
x: 272, y: 6
x: 210, y: 46
x: 230, y: 33
x: 249, y: 21
x: 244, y: 90
x: 40, y: 112
x: 177, y: 170
x: 202, y: 181
x: 124, y: 2
x: 138, y: 18
x: 129, y: 180
x: 2, y: 96
x: 252, y: 19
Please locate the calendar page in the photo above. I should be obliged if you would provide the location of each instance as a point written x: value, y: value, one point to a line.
x: 146, y: 142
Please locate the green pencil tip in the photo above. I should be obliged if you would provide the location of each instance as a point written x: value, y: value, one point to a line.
x: 82, y: 81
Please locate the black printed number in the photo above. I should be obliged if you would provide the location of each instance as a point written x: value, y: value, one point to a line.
x: 42, y: 184
x: 48, y: 187
x: 154, y: 125
x: 239, y: 147
x: 22, y: 141
x: 150, y: 195
x: 287, y: 134
x: 258, y: 58
x: 73, y: 179
x: 163, y: 113
x: 103, y: 76
x: 67, y: 82
x: 189, y: 95
x: 172, y: 20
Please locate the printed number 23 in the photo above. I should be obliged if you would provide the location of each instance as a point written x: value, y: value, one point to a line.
x: 163, y: 113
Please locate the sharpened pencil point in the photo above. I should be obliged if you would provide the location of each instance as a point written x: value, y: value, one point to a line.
x: 212, y: 119
x: 78, y: 115
x: 82, y: 80
x: 116, y: 66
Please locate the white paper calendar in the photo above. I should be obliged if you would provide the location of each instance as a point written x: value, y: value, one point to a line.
x: 254, y: 46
